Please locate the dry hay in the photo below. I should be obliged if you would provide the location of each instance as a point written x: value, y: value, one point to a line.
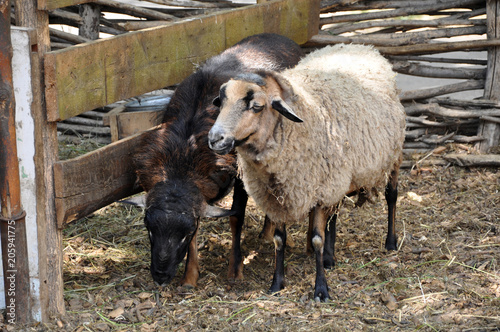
x: 445, y: 276
x: 69, y: 150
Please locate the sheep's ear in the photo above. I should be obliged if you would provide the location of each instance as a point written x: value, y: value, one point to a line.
x: 211, y: 211
x: 216, y: 101
x: 287, y: 93
x: 282, y: 107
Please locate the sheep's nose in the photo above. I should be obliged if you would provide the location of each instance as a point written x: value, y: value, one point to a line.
x: 215, y: 135
x: 219, y: 141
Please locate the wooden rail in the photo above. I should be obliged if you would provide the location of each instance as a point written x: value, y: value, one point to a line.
x: 54, y: 4
x: 96, y: 179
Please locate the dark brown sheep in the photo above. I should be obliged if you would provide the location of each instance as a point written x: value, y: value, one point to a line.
x: 182, y: 176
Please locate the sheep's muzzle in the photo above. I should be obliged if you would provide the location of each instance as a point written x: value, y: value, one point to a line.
x: 219, y: 140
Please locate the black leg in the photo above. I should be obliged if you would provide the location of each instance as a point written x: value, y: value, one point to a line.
x: 330, y: 235
x: 240, y: 198
x: 279, y: 267
x: 318, y: 243
x: 391, y: 196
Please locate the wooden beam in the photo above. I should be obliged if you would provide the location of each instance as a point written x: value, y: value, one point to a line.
x: 406, y: 11
x: 409, y: 24
x: 415, y: 49
x: 124, y: 124
x: 416, y: 69
x: 441, y: 90
x: 196, y: 4
x: 441, y: 47
x: 491, y: 130
x: 86, y: 183
x: 490, y: 160
x: 99, y: 73
x: 68, y: 36
x: 54, y: 4
x: 402, y: 39
x: 136, y: 10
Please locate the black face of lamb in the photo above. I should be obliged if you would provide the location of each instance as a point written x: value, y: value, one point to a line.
x: 171, y: 228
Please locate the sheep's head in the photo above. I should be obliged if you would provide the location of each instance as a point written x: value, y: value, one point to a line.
x: 249, y: 106
x: 173, y: 211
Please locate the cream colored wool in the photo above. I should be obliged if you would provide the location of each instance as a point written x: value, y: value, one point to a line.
x: 351, y: 138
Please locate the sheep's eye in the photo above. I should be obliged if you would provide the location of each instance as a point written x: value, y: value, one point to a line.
x: 257, y: 108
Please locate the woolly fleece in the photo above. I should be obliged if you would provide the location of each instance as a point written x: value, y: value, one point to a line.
x: 351, y: 138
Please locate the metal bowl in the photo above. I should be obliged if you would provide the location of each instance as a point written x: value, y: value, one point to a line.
x: 150, y: 103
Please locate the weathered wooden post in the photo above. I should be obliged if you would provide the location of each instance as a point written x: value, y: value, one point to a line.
x: 491, y: 130
x: 28, y: 15
x: 12, y: 217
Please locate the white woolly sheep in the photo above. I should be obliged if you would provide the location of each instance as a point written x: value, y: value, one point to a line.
x: 349, y: 139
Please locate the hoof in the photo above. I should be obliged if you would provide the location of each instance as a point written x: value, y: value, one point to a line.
x: 188, y: 286
x: 233, y: 280
x: 391, y: 242
x: 234, y: 276
x: 275, y: 289
x: 318, y: 299
x: 329, y: 262
x: 321, y: 293
x: 391, y: 245
x: 235, y: 268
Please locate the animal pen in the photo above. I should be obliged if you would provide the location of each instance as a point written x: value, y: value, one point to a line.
x: 58, y: 76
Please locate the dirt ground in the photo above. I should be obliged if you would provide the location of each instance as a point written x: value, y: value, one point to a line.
x: 445, y: 277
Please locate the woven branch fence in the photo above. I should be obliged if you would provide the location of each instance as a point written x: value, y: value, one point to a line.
x: 422, y: 40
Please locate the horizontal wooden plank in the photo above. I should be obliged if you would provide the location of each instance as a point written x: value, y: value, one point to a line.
x: 131, y: 123
x: 54, y: 4
x: 98, y: 73
x: 125, y: 124
x: 94, y: 180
